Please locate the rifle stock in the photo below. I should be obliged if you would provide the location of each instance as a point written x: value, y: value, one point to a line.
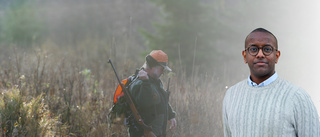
x: 147, y: 129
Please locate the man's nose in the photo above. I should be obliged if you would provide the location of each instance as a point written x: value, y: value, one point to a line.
x: 260, y: 53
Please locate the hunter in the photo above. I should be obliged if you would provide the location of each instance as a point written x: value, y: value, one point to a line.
x: 152, y: 100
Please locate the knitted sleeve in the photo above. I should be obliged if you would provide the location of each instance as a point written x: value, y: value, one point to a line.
x: 305, y: 114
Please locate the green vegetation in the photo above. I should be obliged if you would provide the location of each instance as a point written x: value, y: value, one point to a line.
x: 20, y: 117
x: 21, y: 25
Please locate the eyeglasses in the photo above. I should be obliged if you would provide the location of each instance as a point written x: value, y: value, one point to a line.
x: 254, y: 50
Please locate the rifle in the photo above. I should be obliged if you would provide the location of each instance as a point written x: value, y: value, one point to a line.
x: 146, y: 129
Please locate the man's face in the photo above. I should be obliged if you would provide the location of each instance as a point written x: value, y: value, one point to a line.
x: 156, y: 72
x: 261, y: 66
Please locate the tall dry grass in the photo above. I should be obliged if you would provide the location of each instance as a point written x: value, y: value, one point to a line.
x: 68, y: 92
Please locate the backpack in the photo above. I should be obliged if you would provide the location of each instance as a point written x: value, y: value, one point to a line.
x: 120, y: 111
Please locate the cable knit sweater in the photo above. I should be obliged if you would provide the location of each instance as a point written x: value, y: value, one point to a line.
x: 279, y: 109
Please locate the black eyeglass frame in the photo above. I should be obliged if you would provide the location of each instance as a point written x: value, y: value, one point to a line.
x: 266, y: 54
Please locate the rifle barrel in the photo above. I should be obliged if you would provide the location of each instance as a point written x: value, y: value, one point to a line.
x: 114, y: 71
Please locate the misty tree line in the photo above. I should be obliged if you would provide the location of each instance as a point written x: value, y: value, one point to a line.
x: 195, y: 34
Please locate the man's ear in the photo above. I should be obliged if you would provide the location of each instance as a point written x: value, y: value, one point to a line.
x: 244, y: 54
x: 277, y: 56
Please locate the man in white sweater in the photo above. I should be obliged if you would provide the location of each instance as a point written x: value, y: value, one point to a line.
x: 265, y: 105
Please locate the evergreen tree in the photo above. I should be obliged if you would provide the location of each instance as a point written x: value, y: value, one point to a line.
x: 20, y: 24
x: 186, y: 34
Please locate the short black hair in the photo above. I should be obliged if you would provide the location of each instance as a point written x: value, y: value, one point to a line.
x: 263, y: 30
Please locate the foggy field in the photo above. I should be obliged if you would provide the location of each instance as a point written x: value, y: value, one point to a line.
x: 75, y: 94
x: 55, y: 79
